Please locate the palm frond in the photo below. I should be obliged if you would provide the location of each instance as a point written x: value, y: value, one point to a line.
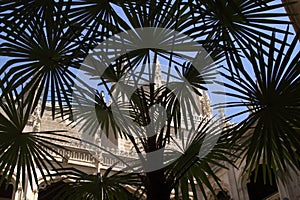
x: 207, y: 151
x: 110, y: 185
x: 43, y: 59
x: 25, y: 153
x: 271, y: 98
x: 99, y: 19
x: 227, y: 26
x: 19, y: 14
x: 93, y: 115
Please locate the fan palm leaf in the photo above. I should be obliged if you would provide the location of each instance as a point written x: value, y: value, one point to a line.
x: 24, y: 153
x: 42, y: 58
x: 228, y: 26
x: 207, y: 150
x: 165, y: 14
x: 93, y: 114
x: 271, y: 98
x: 99, y: 19
x: 110, y: 185
x: 19, y: 13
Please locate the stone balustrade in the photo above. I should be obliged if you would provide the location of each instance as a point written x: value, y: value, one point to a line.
x: 85, y: 155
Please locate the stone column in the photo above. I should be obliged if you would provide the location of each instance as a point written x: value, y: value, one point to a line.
x: 233, y: 183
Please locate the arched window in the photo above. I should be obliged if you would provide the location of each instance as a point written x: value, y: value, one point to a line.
x: 50, y: 191
x: 223, y: 196
x: 258, y: 190
x: 6, y: 191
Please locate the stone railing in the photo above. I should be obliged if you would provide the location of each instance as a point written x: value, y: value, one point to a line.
x: 90, y: 157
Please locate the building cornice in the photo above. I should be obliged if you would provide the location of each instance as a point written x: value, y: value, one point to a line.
x: 293, y: 9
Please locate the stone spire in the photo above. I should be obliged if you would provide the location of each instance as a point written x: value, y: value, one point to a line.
x: 157, y: 71
x: 221, y: 113
x: 36, y: 117
x: 207, y: 111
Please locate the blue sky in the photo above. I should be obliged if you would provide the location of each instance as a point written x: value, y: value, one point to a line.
x: 213, y: 98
